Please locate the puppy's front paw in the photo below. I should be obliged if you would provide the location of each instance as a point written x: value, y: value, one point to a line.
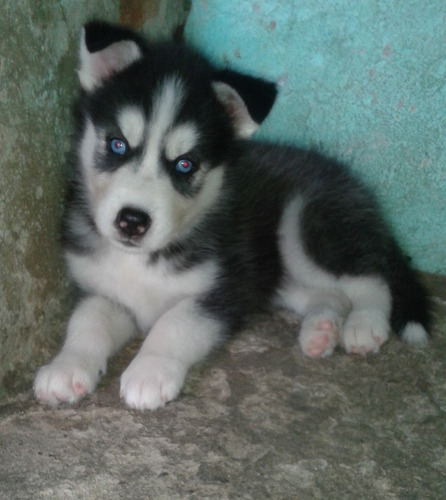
x: 67, y: 379
x: 151, y: 381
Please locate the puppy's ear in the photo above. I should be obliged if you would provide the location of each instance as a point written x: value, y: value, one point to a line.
x: 104, y: 50
x: 247, y: 100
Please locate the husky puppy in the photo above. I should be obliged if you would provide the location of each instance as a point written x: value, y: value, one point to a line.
x: 178, y: 227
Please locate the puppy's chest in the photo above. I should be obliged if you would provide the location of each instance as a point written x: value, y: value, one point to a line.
x: 148, y: 290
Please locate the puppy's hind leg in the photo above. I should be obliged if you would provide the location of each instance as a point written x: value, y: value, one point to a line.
x: 323, y: 312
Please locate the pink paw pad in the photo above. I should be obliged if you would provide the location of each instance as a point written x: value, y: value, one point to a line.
x: 79, y: 389
x: 323, y: 339
x: 378, y: 340
x: 317, y: 345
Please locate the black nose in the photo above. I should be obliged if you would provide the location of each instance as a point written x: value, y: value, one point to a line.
x: 132, y: 222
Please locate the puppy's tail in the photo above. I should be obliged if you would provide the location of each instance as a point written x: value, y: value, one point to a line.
x: 411, y: 315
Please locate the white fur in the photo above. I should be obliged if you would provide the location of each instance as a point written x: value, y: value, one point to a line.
x: 181, y: 140
x: 415, y: 335
x: 351, y: 311
x: 301, y: 268
x: 146, y: 290
x: 132, y: 121
x: 165, y: 108
x: 87, y: 151
x: 180, y: 338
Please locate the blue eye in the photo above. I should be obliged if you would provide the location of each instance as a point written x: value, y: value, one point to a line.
x: 184, y: 166
x: 118, y: 146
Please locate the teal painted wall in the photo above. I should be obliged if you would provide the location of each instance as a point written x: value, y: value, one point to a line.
x: 364, y: 81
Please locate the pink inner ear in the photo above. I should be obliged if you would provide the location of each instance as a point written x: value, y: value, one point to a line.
x: 244, y: 125
x: 235, y: 107
x: 97, y: 67
x: 101, y: 69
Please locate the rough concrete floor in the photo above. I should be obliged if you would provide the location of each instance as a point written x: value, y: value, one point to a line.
x: 257, y: 421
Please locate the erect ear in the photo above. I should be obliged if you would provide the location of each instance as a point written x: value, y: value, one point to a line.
x: 247, y: 100
x: 106, y: 49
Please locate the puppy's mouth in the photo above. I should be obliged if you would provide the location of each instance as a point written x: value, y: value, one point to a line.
x: 129, y: 243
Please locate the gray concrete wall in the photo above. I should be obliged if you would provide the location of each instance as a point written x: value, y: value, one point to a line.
x: 38, y: 50
x: 38, y: 58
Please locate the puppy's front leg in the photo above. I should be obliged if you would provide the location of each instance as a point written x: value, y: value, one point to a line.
x: 181, y: 337
x: 96, y: 330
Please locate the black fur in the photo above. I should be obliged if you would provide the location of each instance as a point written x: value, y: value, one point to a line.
x: 99, y: 35
x: 258, y: 94
x: 341, y: 230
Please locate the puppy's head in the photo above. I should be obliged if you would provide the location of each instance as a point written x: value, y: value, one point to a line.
x: 158, y: 126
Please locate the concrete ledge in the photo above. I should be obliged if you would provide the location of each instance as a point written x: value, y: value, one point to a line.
x: 258, y: 421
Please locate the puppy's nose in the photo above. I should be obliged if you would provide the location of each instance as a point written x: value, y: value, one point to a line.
x: 132, y: 222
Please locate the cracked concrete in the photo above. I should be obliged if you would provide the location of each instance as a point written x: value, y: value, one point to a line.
x: 258, y: 420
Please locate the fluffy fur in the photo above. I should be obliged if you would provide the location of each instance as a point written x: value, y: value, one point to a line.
x: 178, y: 227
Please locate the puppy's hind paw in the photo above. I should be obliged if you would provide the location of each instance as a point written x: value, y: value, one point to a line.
x: 319, y: 335
x: 365, y: 332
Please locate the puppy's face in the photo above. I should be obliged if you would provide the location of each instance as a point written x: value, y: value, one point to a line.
x: 148, y: 175
x: 157, y: 130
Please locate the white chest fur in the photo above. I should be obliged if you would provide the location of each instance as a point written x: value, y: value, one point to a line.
x: 147, y: 290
